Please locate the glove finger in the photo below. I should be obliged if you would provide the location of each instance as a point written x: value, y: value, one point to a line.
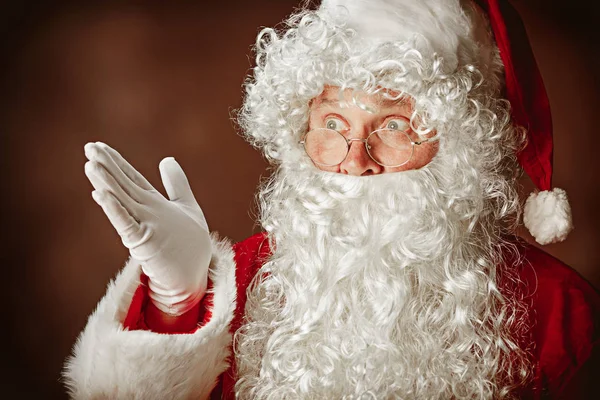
x: 175, y: 182
x: 95, y: 153
x: 102, y: 180
x: 126, y: 167
x: 123, y: 222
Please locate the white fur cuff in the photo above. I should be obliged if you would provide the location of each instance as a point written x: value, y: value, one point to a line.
x: 110, y: 362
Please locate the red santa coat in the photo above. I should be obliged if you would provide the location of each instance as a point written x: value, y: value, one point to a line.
x: 564, y: 312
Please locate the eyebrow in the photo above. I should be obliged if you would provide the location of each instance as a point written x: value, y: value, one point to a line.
x: 383, y: 104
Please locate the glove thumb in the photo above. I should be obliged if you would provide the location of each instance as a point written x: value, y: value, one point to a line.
x: 175, y: 182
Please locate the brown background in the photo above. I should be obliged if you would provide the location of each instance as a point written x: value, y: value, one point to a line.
x: 156, y: 80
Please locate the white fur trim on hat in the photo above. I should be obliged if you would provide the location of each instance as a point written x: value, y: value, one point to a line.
x: 547, y: 215
x: 451, y: 27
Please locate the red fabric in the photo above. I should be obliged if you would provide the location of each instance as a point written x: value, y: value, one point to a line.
x: 564, y: 312
x: 524, y: 90
x: 135, y: 318
x: 249, y: 257
x: 566, y: 324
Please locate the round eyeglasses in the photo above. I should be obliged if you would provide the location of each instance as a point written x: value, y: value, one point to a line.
x: 387, y: 147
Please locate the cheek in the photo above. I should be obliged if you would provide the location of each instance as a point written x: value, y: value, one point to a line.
x: 335, y: 168
x: 426, y: 154
x: 422, y: 156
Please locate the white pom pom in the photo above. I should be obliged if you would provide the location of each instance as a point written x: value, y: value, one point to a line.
x: 547, y: 215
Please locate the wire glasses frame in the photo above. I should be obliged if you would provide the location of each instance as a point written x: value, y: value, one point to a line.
x: 368, y: 146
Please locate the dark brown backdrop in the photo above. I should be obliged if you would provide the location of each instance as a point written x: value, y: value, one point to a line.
x: 156, y: 80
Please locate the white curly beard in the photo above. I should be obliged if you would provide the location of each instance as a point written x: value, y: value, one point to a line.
x: 376, y: 289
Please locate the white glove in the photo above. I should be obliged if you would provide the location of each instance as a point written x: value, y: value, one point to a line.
x: 169, y: 238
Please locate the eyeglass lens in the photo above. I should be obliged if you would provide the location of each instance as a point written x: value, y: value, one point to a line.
x: 387, y: 147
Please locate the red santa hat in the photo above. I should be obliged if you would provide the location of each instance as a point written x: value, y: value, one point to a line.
x: 547, y: 212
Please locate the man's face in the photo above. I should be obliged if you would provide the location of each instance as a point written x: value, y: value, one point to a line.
x: 354, y: 122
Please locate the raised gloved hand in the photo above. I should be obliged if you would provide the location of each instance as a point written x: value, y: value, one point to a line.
x: 169, y: 237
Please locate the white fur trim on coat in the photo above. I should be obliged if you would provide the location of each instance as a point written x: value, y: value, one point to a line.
x: 110, y: 362
x: 547, y: 215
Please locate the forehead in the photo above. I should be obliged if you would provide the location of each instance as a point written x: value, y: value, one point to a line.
x: 333, y: 97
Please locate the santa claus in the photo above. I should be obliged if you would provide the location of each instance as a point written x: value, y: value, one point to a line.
x: 389, y: 265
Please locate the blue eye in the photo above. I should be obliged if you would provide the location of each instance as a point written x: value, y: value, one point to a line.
x: 334, y: 124
x: 398, y: 125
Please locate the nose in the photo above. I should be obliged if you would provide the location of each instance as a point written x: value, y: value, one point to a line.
x: 358, y: 162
